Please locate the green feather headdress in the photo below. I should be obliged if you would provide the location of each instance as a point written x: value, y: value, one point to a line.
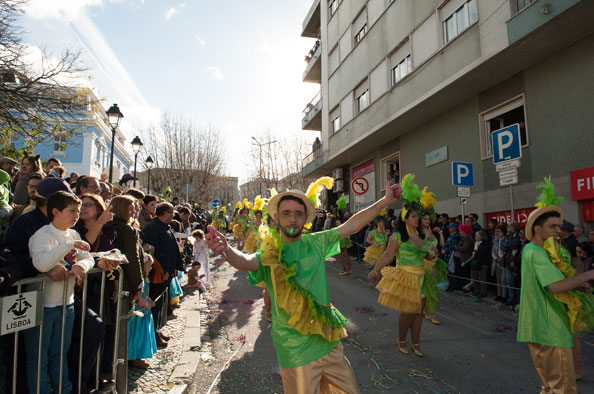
x: 341, y: 203
x: 547, y: 197
x: 411, y: 195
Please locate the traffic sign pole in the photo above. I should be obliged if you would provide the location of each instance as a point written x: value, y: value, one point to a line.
x: 511, y: 199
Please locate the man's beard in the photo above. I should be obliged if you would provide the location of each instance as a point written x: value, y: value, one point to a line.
x: 296, y: 232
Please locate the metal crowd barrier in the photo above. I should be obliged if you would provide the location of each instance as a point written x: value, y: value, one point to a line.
x: 42, y: 280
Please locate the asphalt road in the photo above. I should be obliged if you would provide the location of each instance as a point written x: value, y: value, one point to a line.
x: 473, y: 351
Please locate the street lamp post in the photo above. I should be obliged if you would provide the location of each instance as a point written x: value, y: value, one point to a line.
x: 260, y: 145
x: 149, y: 164
x: 136, y: 145
x: 114, y: 116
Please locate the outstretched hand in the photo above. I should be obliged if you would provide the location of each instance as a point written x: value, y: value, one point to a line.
x: 393, y: 192
x: 217, y: 243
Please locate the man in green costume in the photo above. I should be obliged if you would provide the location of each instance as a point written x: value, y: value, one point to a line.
x: 543, y: 320
x: 306, y: 328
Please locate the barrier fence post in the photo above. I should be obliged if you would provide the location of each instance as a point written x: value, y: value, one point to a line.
x: 122, y: 377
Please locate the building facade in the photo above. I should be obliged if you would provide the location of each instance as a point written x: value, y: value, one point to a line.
x: 88, y: 151
x: 412, y: 86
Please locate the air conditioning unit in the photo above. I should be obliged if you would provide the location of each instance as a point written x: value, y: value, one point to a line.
x: 337, y: 173
x: 339, y: 186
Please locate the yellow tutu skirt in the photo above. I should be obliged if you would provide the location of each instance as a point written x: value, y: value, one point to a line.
x: 238, y: 231
x: 400, y: 289
x: 373, y: 254
x: 251, y: 243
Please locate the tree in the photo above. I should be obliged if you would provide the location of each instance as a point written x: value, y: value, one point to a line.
x: 185, y: 153
x: 35, y: 102
x: 281, y: 162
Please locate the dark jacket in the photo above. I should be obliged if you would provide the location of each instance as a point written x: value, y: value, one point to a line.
x: 482, y: 257
x: 17, y: 239
x: 510, y: 243
x: 464, y: 247
x: 167, y: 253
x: 570, y: 244
x: 129, y: 243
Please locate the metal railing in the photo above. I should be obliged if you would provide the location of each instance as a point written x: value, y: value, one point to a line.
x: 312, y: 104
x: 42, y: 280
x: 312, y: 156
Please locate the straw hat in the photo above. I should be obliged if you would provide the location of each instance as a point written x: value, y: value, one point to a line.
x: 310, y: 211
x: 536, y: 214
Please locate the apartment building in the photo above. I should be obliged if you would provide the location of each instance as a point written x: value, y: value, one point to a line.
x: 413, y: 85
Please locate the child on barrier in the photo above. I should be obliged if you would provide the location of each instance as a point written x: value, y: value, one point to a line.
x: 141, y: 330
x: 58, y: 248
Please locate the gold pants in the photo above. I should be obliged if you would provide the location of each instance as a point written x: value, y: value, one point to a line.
x: 554, y: 366
x: 331, y: 374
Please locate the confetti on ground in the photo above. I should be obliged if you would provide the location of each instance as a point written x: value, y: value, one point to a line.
x: 366, y: 309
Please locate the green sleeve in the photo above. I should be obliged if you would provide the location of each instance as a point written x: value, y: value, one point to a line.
x: 261, y: 274
x: 545, y: 272
x: 329, y: 240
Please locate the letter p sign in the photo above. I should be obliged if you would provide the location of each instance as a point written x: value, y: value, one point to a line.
x: 462, y: 174
x: 507, y: 144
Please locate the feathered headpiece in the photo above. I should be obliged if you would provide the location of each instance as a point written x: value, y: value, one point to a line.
x: 224, y: 210
x: 314, y: 189
x: 258, y: 203
x: 341, y: 203
x: 381, y: 217
x: 411, y: 195
x: 428, y: 202
x: 245, y: 203
x: 547, y: 197
x: 238, y: 205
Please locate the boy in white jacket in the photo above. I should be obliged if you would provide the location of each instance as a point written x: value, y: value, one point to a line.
x: 56, y: 245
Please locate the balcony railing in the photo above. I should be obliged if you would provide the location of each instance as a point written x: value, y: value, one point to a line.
x: 312, y: 104
x: 317, y: 152
x: 312, y: 52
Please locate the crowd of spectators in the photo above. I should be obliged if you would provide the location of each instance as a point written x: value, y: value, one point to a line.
x: 58, y: 227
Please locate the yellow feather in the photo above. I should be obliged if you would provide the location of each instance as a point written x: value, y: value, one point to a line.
x: 273, y: 192
x: 316, y: 187
x: 427, y: 200
x: 245, y: 202
x: 238, y: 205
x: 258, y: 203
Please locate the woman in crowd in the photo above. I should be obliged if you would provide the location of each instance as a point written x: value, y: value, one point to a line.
x: 511, y: 259
x: 584, y: 258
x: 463, y: 252
x: 377, y: 240
x: 480, y: 263
x: 403, y: 287
x: 29, y: 165
x: 497, y: 256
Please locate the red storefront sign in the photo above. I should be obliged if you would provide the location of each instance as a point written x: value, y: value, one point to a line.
x: 582, y: 184
x: 588, y: 210
x: 521, y: 216
x: 364, y: 168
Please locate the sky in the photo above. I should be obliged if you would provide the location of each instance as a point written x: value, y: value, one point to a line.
x: 233, y: 64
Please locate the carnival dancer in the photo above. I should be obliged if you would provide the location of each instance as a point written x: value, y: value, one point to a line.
x: 239, y: 228
x: 219, y: 222
x: 404, y: 287
x: 434, y: 241
x: 345, y: 243
x: 251, y: 241
x: 551, y: 310
x: 306, y: 328
x: 377, y: 240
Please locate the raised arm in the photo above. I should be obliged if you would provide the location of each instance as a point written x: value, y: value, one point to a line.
x: 361, y: 218
x: 241, y: 261
x: 385, y: 259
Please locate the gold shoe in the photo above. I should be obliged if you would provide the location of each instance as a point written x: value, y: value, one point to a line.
x: 268, y: 316
x: 435, y: 321
x: 416, y: 349
x: 402, y: 348
x: 345, y: 273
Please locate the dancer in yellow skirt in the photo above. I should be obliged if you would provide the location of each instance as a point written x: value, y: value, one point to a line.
x: 251, y: 240
x: 219, y: 220
x: 377, y: 240
x: 403, y: 287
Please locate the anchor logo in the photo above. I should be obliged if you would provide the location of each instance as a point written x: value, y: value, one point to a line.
x: 20, y: 307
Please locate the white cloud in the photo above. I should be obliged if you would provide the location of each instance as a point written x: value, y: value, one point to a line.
x: 65, y: 10
x: 174, y: 10
x: 201, y: 41
x: 215, y: 73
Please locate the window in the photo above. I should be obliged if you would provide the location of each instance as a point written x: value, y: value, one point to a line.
x: 360, y: 34
x: 335, y: 125
x: 363, y: 101
x: 461, y: 18
x: 519, y: 5
x: 504, y: 115
x: 59, y: 145
x: 400, y: 70
x: 332, y: 7
x: 390, y: 170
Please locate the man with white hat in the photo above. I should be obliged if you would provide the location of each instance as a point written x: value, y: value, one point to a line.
x: 306, y: 328
x: 543, y: 320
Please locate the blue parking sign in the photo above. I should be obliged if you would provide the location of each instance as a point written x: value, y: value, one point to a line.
x: 507, y: 143
x: 462, y: 174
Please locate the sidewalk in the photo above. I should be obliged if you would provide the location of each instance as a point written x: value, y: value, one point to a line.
x: 172, y: 368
